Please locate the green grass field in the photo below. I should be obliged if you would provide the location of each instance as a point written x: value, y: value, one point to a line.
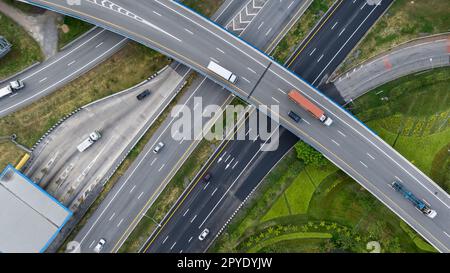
x: 25, y: 50
x: 322, y: 199
x: 206, y: 7
x: 405, y: 20
x: 129, y: 66
x: 71, y: 29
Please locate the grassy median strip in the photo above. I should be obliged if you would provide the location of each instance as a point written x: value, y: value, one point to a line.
x: 205, y: 7
x: 405, y: 20
x: 71, y: 29
x: 184, y: 176
x: 128, y: 161
x: 25, y: 50
x: 169, y: 196
x: 299, y: 31
x: 322, y: 199
x: 129, y: 66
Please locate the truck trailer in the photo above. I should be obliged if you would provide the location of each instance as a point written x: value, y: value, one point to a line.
x: 11, y: 88
x: 419, y: 204
x: 306, y: 104
x: 88, y: 142
x: 222, y: 72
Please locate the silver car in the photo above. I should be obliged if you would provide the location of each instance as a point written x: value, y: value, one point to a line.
x: 203, y: 235
x: 100, y: 245
x: 158, y: 147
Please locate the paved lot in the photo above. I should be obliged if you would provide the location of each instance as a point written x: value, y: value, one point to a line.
x: 68, y: 174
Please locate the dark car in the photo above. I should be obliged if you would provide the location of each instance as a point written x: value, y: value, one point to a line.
x: 294, y: 116
x: 207, y: 177
x: 143, y: 95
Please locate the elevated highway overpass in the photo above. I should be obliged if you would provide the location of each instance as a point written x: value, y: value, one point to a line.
x: 193, y: 40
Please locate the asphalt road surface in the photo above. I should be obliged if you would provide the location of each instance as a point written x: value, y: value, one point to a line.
x: 417, y: 56
x: 54, y: 73
x: 252, y: 170
x: 193, y: 40
x: 69, y: 175
x: 175, y: 154
x: 328, y: 44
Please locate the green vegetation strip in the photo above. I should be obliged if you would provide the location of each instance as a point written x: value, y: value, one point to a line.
x: 127, y: 163
x: 299, y: 31
x: 129, y: 66
x: 320, y: 198
x: 71, y: 29
x: 25, y: 50
x: 205, y: 7
x: 168, y: 197
x: 287, y: 237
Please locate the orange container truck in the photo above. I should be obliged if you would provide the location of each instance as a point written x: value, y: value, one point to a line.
x: 306, y: 104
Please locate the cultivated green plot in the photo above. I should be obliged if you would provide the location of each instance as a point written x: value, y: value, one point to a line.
x: 25, y: 50
x: 320, y: 199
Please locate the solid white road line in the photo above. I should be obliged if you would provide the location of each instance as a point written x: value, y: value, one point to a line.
x: 64, y: 56
x: 62, y: 80
x: 234, y: 182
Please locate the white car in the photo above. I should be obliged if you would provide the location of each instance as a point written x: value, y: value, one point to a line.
x: 203, y: 234
x: 100, y: 245
x: 158, y: 147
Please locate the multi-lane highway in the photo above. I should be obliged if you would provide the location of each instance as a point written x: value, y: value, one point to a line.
x: 236, y: 184
x: 70, y: 63
x: 332, y: 39
x: 182, y: 34
x: 134, y: 185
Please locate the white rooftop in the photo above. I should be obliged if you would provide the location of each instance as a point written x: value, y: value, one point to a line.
x: 29, y: 217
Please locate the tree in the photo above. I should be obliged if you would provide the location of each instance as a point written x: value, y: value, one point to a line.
x: 309, y: 155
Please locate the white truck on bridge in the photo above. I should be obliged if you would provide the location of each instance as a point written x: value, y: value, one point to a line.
x: 222, y: 72
x: 11, y: 88
x: 93, y: 137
